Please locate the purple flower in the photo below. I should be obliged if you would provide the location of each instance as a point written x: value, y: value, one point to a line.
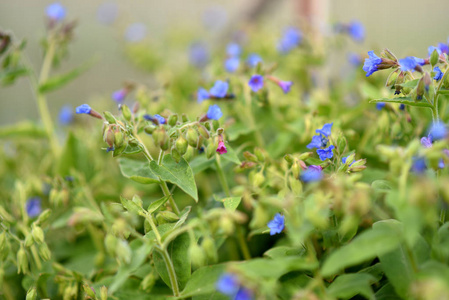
x: 214, y: 112
x: 277, y: 224
x: 326, y: 130
x: 135, y: 32
x: 232, y: 64
x: 33, y: 207
x: 244, y: 294
x: 202, y: 95
x: 418, y: 165
x: 228, y: 284
x: 290, y: 39
x: 380, y: 105
x: 372, y: 63
x: 444, y: 48
x: 438, y: 131
x: 312, y: 174
x: 426, y: 141
x: 253, y: 60
x: 356, y: 31
x: 160, y: 119
x: 220, y: 89
x: 233, y: 50
x: 55, y: 11
x: 198, y: 55
x: 83, y: 109
x: 107, y: 13
x: 326, y: 153
x: 256, y: 82
x: 285, y: 85
x: 66, y: 115
x: 432, y: 48
x: 119, y: 96
x: 438, y: 73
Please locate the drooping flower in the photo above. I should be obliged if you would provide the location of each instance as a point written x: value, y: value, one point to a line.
x: 357, y: 31
x: 380, y: 105
x: 326, y: 153
x: 55, y: 12
x: 232, y: 64
x: 253, y: 60
x: 202, y: 95
x: 433, y: 48
x: 83, y: 109
x: 372, y: 63
x: 290, y: 39
x: 160, y: 119
x: 277, y: 224
x: 198, y: 55
x: 214, y: 112
x: 221, y: 149
x: 244, y: 294
x: 66, y: 115
x: 33, y: 207
x: 426, y: 141
x: 256, y: 82
x: 438, y: 131
x: 326, y: 130
x: 312, y: 174
x: 119, y: 95
x: 233, y: 50
x: 228, y: 284
x: 136, y: 32
x: 438, y: 74
x: 107, y: 13
x: 285, y: 85
x: 220, y: 89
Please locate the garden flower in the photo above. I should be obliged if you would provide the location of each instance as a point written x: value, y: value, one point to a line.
x: 253, y: 60
x: 372, y: 63
x: 119, y: 96
x: 33, y: 207
x: 135, y: 32
x: 291, y: 38
x: 221, y: 149
x: 233, y: 50
x: 56, y: 12
x: 256, y: 82
x: 202, y: 95
x: 444, y: 48
x: 83, y: 109
x: 438, y: 74
x: 380, y: 105
x: 160, y: 119
x: 312, y: 174
x: 438, y: 131
x: 356, y: 31
x: 326, y: 153
x: 220, y: 89
x: 66, y: 115
x: 198, y: 55
x: 244, y: 294
x: 214, y: 112
x: 228, y: 284
x: 232, y: 64
x: 277, y: 224
x: 107, y: 13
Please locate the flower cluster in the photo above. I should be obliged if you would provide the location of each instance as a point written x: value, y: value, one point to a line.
x: 321, y: 140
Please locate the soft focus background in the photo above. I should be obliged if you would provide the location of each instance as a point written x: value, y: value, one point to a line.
x: 406, y: 27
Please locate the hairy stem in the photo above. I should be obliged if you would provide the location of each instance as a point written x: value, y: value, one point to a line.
x: 170, y: 270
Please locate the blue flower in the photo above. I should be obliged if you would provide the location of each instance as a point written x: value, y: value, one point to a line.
x: 277, y: 224
x: 228, y: 284
x: 441, y: 163
x: 354, y: 59
x: 356, y: 31
x: 318, y: 141
x: 426, y: 141
x: 202, y: 95
x: 432, y: 48
x: 325, y: 153
x: 285, y: 85
x: 160, y: 119
x: 107, y: 13
x: 214, y: 112
x: 312, y: 174
x: 66, y: 115
x: 233, y: 50
x: 55, y: 11
x: 326, y: 130
x: 220, y: 89
x: 135, y: 32
x: 444, y: 48
x: 438, y: 131
x: 291, y: 38
x: 418, y: 165
x: 244, y: 294
x: 83, y: 109
x: 198, y: 55
x: 33, y: 207
x: 402, y: 106
x: 253, y: 60
x: 119, y: 96
x: 232, y: 64
x: 380, y: 105
x: 438, y: 74
x: 372, y: 63
x: 410, y: 63
x: 256, y: 82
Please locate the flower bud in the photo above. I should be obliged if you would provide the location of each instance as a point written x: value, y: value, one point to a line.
x: 109, y: 117
x: 104, y: 293
x: 149, y: 129
x: 38, y: 234
x: 89, y: 292
x: 420, y: 88
x: 259, y: 153
x: 148, y: 282
x: 110, y: 243
x: 44, y: 252
x: 289, y: 158
x: 197, y: 255
x: 181, y: 145
x: 296, y: 169
x: 166, y: 144
x: 159, y: 136
x: 391, y: 80
x: 172, y: 120
x: 22, y: 261
x: 118, y: 138
x: 207, y: 125
x: 388, y: 54
x: 184, y: 118
x: 168, y: 216
x: 175, y: 154
x: 29, y: 241
x: 44, y: 216
x: 249, y: 156
x: 210, y: 150
x: 123, y: 251
x: 227, y: 225
x: 203, y: 131
x: 31, y: 294
x: 192, y: 137
x: 258, y: 179
x: 109, y: 137
x: 434, y: 57
x: 126, y: 112
x: 208, y: 245
x: 200, y: 142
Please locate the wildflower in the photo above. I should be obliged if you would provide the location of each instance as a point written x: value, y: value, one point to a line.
x: 380, y: 105
x: 107, y: 13
x: 233, y: 50
x: 66, y: 115
x: 33, y: 207
x: 256, y: 82
x: 244, y: 294
x: 221, y: 149
x: 83, y: 109
x: 228, y: 284
x: 55, y: 12
x: 291, y: 38
x: 202, y: 95
x: 356, y: 31
x: 214, y: 112
x: 325, y: 153
x: 119, y: 96
x: 198, y: 55
x: 372, y: 63
x: 426, y: 141
x: 160, y: 119
x: 318, y: 141
x: 277, y: 224
x: 312, y: 174
x: 354, y: 59
x: 285, y: 85
x: 410, y: 63
x: 220, y: 89
x: 253, y: 60
x: 438, y: 131
x: 438, y: 74
x: 431, y: 49
x: 418, y: 165
x: 326, y: 130
x: 232, y: 64
x: 444, y: 48
x: 136, y: 32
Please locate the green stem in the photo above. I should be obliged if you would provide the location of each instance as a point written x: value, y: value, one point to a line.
x: 222, y: 177
x: 243, y: 244
x: 171, y: 200
x: 170, y: 270
x: 153, y: 226
x: 250, y: 116
x: 37, y: 260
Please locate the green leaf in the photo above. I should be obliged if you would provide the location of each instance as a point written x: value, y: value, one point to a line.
x: 365, y: 246
x: 349, y: 285
x: 231, y: 155
x: 178, y: 252
x: 177, y: 173
x: 443, y: 92
x: 403, y: 100
x: 137, y: 170
x: 75, y: 156
x: 58, y: 81
x: 201, y: 163
x: 410, y: 84
x: 387, y: 293
x: 10, y: 75
x: 203, y: 281
x: 156, y: 204
x: 284, y: 251
x: 231, y: 203
x: 21, y: 130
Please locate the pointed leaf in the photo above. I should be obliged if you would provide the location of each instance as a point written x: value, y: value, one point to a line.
x: 347, y: 286
x: 137, y: 170
x: 203, y: 281
x: 58, y: 81
x: 403, y: 100
x: 231, y: 203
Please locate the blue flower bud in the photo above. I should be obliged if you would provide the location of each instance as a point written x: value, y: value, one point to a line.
x: 253, y: 60
x: 285, y: 85
x: 277, y: 224
x: 214, y: 112
x: 256, y: 82
x: 33, y: 207
x: 232, y: 64
x: 119, y: 96
x: 326, y: 153
x: 220, y: 89
x: 66, y: 115
x: 55, y: 11
x: 83, y: 109
x: 380, y: 105
x: 160, y: 119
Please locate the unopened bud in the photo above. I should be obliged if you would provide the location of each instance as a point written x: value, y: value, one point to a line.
x: 38, y: 234
x: 148, y: 282
x: 184, y: 118
x: 110, y: 243
x: 203, y: 131
x: 420, y: 89
x: 296, y: 169
x: 149, y: 129
x: 22, y: 261
x: 210, y: 150
x: 289, y: 158
x: 29, y: 240
x: 197, y: 255
x: 388, y: 54
x: 44, y: 251
x: 249, y: 156
x: 123, y: 251
x: 159, y: 136
x: 109, y: 117
x: 109, y: 137
x: 259, y: 153
x: 192, y: 137
x: 434, y: 57
x: 31, y: 294
x: 44, y: 216
x: 227, y: 225
x: 392, y: 78
x: 427, y: 82
x: 207, y: 125
x: 166, y: 145
x: 118, y: 139
x: 89, y: 292
x: 200, y: 142
x: 168, y: 216
x: 208, y: 245
x: 181, y: 145
x: 172, y: 120
x: 258, y: 179
x: 104, y: 293
x: 126, y: 112
x: 220, y: 131
x: 175, y: 154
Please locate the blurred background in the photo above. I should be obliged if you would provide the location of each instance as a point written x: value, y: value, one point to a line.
x: 407, y: 27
